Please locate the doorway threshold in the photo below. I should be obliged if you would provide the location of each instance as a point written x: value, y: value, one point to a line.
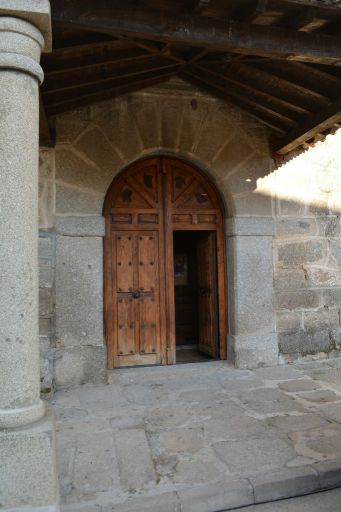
x: 190, y: 354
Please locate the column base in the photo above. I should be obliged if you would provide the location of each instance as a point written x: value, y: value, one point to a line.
x: 28, y: 474
x: 253, y: 351
x: 15, y: 418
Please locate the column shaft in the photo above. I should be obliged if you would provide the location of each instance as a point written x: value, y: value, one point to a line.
x: 19, y: 144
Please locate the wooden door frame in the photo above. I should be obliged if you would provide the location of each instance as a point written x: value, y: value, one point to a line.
x: 168, y: 344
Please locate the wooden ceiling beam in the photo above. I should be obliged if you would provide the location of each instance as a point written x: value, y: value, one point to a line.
x: 249, y: 15
x: 196, y: 55
x: 77, y: 101
x: 277, y: 106
x: 305, y: 20
x: 78, y: 81
x: 303, y: 75
x: 92, y: 62
x: 250, y: 108
x: 301, y: 97
x: 213, y: 34
x: 281, y: 120
x: 322, y: 9
x: 166, y: 49
x: 317, y: 123
x: 65, y: 52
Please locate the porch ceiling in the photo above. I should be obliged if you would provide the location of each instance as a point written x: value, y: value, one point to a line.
x: 279, y: 60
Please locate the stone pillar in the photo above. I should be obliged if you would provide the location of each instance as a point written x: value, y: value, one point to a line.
x: 252, y: 338
x: 27, y: 469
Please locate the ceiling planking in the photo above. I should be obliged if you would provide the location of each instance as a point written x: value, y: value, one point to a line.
x: 278, y: 60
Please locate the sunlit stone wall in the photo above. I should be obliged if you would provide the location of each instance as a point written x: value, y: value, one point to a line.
x: 306, y: 192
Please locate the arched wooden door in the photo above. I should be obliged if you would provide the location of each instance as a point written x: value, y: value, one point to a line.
x: 145, y: 204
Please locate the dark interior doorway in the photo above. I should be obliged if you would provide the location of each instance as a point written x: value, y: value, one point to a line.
x: 195, y: 291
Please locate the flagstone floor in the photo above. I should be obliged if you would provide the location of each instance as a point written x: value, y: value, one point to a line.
x: 200, y: 437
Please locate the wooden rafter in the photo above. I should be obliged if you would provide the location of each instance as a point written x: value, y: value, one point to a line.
x: 215, y: 35
x: 306, y: 20
x: 250, y: 14
x: 65, y: 52
x: 84, y: 63
x: 298, y: 92
x: 253, y: 111
x: 102, y: 76
x: 301, y: 98
x: 279, y: 107
x: 323, y: 8
x: 317, y: 123
x: 251, y: 100
x: 83, y: 98
x: 310, y: 78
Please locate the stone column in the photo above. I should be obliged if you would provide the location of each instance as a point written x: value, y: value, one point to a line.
x: 27, y: 469
x: 252, y: 338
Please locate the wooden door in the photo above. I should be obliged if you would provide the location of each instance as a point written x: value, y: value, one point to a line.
x: 207, y: 294
x: 143, y: 206
x: 134, y: 261
x: 193, y: 204
x: 136, y: 295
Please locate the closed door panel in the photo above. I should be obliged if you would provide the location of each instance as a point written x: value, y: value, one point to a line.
x: 125, y: 246
x: 127, y: 339
x: 137, y: 296
x: 149, y: 324
x: 149, y: 301
x: 148, y: 261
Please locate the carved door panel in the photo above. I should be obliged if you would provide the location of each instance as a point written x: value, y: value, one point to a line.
x: 207, y: 294
x: 136, y: 297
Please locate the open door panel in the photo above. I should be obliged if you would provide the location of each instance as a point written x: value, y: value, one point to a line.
x: 207, y: 294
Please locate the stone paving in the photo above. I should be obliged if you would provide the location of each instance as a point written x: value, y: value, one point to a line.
x: 199, y: 437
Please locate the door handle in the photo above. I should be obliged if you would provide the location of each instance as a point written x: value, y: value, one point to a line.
x: 136, y: 294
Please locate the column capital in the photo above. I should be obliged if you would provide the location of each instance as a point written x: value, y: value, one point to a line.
x: 37, y: 13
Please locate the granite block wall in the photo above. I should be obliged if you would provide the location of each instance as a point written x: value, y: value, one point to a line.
x: 93, y: 145
x: 290, y: 210
x: 306, y: 190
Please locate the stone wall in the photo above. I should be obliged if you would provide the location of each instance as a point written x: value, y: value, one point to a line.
x: 283, y: 228
x: 302, y: 195
x: 93, y: 145
x: 306, y: 192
